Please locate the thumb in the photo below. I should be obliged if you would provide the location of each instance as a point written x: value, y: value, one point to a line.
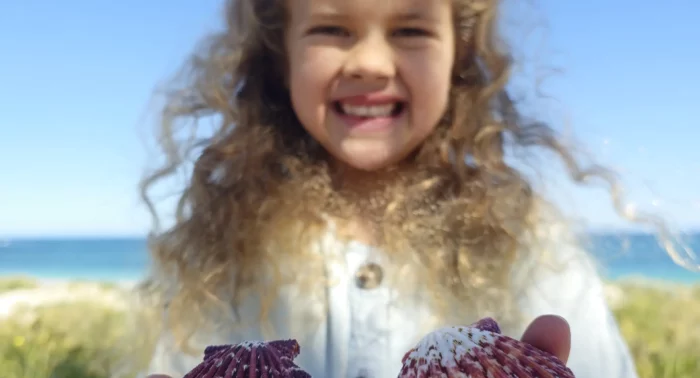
x: 550, y: 333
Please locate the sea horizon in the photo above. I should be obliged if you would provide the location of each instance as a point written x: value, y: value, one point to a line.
x: 593, y: 231
x: 632, y: 255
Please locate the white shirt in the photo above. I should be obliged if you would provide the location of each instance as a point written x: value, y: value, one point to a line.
x: 364, y: 333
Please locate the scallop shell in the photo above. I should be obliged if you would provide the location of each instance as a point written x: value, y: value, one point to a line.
x: 479, y: 351
x: 249, y: 359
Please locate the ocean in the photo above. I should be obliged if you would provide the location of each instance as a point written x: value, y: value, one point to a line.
x: 126, y: 259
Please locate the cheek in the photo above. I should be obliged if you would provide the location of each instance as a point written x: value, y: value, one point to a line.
x: 313, y: 69
x: 311, y: 75
x: 429, y: 80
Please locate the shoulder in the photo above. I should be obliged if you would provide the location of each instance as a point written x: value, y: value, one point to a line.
x: 553, y: 268
x: 561, y: 277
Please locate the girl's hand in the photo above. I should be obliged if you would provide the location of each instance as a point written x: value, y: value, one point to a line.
x: 549, y: 333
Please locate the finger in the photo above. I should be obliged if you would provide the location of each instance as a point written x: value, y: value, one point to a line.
x: 550, y: 333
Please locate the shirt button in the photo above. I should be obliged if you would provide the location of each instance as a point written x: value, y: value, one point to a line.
x: 369, y: 276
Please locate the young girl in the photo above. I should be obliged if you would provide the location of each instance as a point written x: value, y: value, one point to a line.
x: 356, y: 193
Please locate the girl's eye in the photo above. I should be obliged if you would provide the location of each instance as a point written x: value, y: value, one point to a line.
x: 411, y: 32
x: 335, y: 31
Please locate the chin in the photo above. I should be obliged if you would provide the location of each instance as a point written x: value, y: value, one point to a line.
x: 368, y: 155
x: 369, y: 166
x: 369, y: 163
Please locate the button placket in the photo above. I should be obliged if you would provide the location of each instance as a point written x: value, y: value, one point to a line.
x: 369, y: 340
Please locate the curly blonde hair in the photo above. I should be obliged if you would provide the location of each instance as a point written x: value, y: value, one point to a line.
x: 261, y: 182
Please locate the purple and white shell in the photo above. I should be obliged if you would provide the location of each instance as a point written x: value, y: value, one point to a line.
x: 274, y: 359
x: 479, y: 351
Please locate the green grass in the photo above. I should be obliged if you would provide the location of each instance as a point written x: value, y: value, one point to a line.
x: 16, y: 283
x: 79, y: 339
x: 662, y: 329
x: 87, y: 339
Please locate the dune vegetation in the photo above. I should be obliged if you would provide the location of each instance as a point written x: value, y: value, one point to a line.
x: 81, y: 337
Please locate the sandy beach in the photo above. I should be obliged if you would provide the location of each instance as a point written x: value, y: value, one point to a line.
x: 116, y: 294
x: 55, y: 291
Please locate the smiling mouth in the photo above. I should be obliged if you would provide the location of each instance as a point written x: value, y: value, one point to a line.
x: 389, y: 110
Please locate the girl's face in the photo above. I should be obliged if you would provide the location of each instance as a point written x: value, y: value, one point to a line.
x: 370, y: 79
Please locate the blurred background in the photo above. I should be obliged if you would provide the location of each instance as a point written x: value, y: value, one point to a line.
x: 76, y: 85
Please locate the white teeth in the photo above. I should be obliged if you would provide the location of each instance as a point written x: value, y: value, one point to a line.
x: 369, y: 111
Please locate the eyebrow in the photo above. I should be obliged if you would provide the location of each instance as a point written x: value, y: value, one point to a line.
x: 413, y: 16
x: 327, y: 13
x: 335, y: 16
x: 338, y: 16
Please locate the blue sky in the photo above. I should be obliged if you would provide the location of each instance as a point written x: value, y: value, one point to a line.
x: 77, y: 77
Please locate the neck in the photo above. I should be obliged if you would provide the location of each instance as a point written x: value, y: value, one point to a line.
x: 352, y: 181
x: 368, y: 192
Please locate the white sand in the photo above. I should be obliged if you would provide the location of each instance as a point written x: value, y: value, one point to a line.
x: 614, y: 291
x: 54, y: 291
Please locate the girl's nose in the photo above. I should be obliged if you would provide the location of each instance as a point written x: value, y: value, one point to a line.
x: 372, y: 58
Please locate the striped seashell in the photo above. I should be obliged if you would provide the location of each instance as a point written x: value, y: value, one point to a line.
x: 274, y: 359
x: 479, y: 351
